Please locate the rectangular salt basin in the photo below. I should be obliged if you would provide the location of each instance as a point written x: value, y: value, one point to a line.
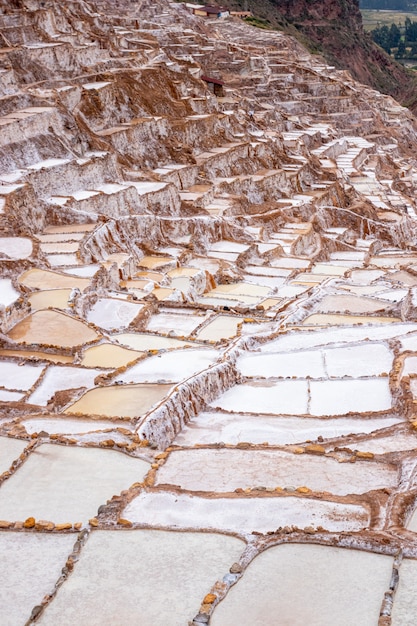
x: 37, y: 355
x: 296, y: 340
x: 216, y: 427
x: 245, y: 515
x: 69, y: 426
x: 283, y: 397
x: 10, y: 396
x: 56, y: 298
x: 147, y: 578
x: 356, y: 361
x: 10, y: 450
x: 110, y: 356
x: 397, y: 442
x: 308, y: 584
x: 141, y: 341
x: 350, y: 304
x: 52, y: 328
x: 300, y: 364
x: 325, y: 319
x: 405, y: 601
x: 363, y: 360
x: 239, y: 289
x: 221, y: 327
x: 19, y: 377
x: 119, y: 400
x: 8, y: 294
x: 340, y: 397
x: 31, y: 565
x: 44, y: 279
x: 58, y: 378
x: 175, y: 323
x: 15, y: 247
x: 169, y: 366
x: 67, y: 484
x: 111, y: 313
x: 225, y: 470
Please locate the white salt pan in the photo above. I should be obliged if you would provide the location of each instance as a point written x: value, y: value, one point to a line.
x: 305, y: 584
x: 59, y: 378
x: 224, y: 470
x: 67, y: 484
x: 243, y: 514
x: 31, y: 565
x: 147, y: 577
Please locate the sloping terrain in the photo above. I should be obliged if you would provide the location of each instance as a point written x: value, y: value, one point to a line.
x: 208, y: 360
x: 334, y: 29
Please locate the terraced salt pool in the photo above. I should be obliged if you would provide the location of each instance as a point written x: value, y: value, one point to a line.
x: 308, y: 584
x: 146, y: 577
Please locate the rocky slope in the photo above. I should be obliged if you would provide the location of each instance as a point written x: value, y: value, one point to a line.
x: 208, y: 326
x: 334, y: 28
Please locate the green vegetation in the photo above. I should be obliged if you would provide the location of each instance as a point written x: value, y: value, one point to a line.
x: 394, y: 5
x: 259, y: 22
x: 390, y: 5
x: 400, y: 40
x: 375, y: 19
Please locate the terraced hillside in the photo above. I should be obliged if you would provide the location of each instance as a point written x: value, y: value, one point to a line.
x: 208, y: 360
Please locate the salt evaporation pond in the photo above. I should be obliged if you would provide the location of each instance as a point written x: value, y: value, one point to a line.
x: 316, y: 397
x: 141, y: 341
x: 108, y: 355
x: 297, y: 340
x: 19, y: 377
x: 324, y: 319
x: 15, y: 247
x: 351, y: 303
x: 225, y: 470
x: 243, y: 514
x: 146, y: 577
x: 45, y: 279
x: 308, y: 584
x: 10, y: 449
x: 69, y: 426
x: 67, y: 484
x: 177, y: 323
x: 30, y: 566
x: 37, y: 355
x: 55, y: 298
x: 58, y: 378
x: 10, y: 396
x: 119, y: 400
x: 405, y: 602
x: 8, y: 294
x: 234, y: 428
x: 51, y: 328
x: 396, y: 442
x: 169, y: 366
x: 221, y: 327
x: 111, y: 313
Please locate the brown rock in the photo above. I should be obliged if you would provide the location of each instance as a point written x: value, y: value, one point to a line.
x: 314, y: 448
x: 236, y: 568
x: 108, y: 443
x: 210, y: 598
x: 124, y: 522
x: 365, y: 455
x: 44, y: 525
x: 29, y: 522
x: 66, y: 526
x: 303, y: 490
x: 93, y: 522
x: 5, y: 524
